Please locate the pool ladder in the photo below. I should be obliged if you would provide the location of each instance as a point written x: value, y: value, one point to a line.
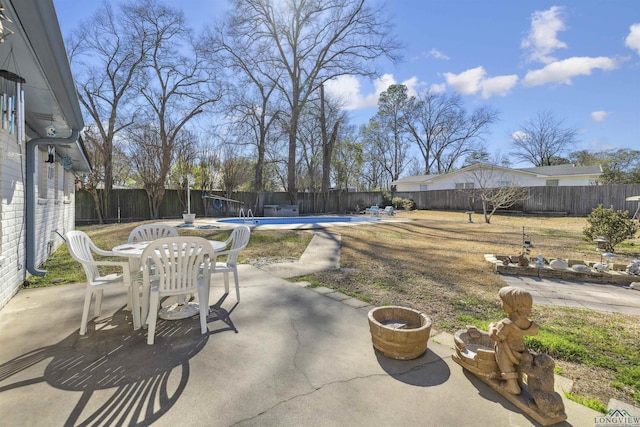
x: 248, y: 217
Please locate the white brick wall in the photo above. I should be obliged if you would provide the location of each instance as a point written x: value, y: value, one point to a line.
x: 51, y: 214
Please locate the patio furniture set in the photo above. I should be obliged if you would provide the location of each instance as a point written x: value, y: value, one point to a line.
x: 160, y: 263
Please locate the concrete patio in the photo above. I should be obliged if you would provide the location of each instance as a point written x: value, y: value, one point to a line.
x: 286, y: 355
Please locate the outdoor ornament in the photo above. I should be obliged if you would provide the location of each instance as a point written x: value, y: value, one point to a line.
x: 526, y: 243
x: 633, y: 267
x: 50, y: 154
x: 500, y: 358
x: 66, y: 162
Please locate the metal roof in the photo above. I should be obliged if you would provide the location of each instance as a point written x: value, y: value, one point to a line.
x: 564, y: 170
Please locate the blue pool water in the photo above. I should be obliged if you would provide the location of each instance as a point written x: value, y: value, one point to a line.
x: 269, y: 220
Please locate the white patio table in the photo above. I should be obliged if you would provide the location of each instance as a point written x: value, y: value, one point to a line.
x: 180, y: 310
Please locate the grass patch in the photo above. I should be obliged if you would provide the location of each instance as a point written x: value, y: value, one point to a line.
x: 557, y: 346
x: 61, y: 269
x: 589, y: 402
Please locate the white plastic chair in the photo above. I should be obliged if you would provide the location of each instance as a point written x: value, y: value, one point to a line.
x: 236, y: 242
x: 151, y: 232
x: 181, y: 266
x: 373, y: 210
x: 389, y: 211
x: 82, y: 249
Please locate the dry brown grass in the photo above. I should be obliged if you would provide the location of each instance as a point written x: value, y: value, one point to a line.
x: 434, y: 263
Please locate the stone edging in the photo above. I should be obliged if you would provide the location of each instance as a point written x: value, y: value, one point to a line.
x: 609, y: 277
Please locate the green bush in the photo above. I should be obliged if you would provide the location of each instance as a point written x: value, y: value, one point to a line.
x: 616, y: 226
x: 400, y: 203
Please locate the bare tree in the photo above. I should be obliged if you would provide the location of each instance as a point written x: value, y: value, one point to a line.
x: 310, y: 147
x: 251, y: 106
x: 379, y: 161
x: 177, y: 86
x: 347, y: 161
x: 495, y: 188
x: 395, y: 112
x: 329, y: 112
x: 106, y: 54
x: 542, y: 139
x: 147, y: 153
x: 445, y: 133
x: 184, y: 165
x: 312, y: 41
x: 149, y: 156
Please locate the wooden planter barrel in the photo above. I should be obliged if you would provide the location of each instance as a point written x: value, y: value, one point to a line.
x: 399, y: 332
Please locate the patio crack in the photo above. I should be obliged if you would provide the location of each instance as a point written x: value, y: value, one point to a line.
x: 319, y: 388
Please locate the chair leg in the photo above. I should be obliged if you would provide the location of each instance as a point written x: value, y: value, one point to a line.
x: 154, y: 303
x: 235, y: 277
x: 134, y: 299
x: 98, y: 306
x: 85, y: 310
x: 204, y: 308
x: 226, y: 282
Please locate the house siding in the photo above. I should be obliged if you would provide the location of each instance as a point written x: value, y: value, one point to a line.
x: 493, y: 179
x: 53, y: 213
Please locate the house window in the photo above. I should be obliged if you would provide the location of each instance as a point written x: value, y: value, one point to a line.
x: 464, y: 186
x: 552, y: 183
x: 423, y: 187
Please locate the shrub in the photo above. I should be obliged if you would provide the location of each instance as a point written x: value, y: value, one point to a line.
x: 400, y: 203
x: 616, y: 226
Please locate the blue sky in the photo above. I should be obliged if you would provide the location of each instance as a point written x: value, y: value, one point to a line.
x: 579, y: 59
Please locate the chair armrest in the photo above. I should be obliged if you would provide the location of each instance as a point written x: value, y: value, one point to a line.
x: 126, y: 273
x: 102, y: 252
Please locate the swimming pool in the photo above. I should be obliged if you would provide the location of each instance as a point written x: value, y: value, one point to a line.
x: 272, y: 220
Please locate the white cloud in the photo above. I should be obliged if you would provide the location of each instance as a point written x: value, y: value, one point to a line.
x: 438, y: 55
x: 475, y: 80
x: 518, y: 135
x: 348, y: 90
x: 633, y: 39
x: 500, y: 85
x: 598, y: 116
x: 542, y: 38
x: 467, y: 82
x: 412, y: 85
x: 438, y: 88
x: 562, y: 72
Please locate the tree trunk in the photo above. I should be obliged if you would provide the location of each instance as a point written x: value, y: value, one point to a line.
x: 291, y: 166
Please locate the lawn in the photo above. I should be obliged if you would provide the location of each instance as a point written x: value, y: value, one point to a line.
x: 435, y: 263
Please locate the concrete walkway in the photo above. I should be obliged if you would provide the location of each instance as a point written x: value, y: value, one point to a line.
x: 589, y: 296
x: 322, y: 253
x: 285, y: 356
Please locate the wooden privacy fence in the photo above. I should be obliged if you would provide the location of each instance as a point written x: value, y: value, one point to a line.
x: 579, y: 200
x: 131, y: 204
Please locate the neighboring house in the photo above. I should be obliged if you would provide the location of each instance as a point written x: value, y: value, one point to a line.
x: 482, y: 175
x: 40, y: 151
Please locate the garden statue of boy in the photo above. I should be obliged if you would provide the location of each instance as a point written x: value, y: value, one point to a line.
x: 508, y: 335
